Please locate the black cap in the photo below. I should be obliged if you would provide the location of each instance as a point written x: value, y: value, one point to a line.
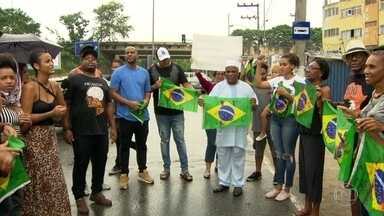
x: 88, y: 50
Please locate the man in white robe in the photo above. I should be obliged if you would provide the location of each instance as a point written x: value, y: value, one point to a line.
x: 231, y: 141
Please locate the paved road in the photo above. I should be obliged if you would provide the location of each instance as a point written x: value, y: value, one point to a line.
x: 178, y: 198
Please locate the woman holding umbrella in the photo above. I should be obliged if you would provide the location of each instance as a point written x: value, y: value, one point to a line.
x: 43, y: 99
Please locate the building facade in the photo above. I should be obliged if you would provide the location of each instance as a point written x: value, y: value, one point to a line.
x: 345, y: 20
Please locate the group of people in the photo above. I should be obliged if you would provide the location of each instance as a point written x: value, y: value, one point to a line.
x: 93, y: 112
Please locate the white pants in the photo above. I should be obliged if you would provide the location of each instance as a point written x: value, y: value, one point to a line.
x: 231, y: 162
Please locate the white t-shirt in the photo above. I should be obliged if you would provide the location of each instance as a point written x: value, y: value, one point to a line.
x: 287, y: 83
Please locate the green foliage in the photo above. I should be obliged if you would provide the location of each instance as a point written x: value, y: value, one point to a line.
x: 16, y: 21
x: 111, y: 22
x: 316, y: 41
x: 76, y: 26
x: 279, y: 37
x: 183, y: 63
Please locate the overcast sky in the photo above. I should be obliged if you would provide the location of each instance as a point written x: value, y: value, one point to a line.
x: 172, y: 17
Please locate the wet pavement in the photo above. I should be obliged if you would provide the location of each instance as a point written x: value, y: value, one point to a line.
x: 177, y: 197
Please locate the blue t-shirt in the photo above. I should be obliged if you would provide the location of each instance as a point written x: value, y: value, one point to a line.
x: 131, y: 84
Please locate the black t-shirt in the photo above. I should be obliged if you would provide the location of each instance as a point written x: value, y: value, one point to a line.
x: 88, y: 98
x: 179, y: 79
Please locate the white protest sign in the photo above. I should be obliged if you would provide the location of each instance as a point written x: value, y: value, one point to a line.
x: 212, y: 52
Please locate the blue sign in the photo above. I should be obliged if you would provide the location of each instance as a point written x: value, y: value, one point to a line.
x: 301, y: 30
x: 80, y: 44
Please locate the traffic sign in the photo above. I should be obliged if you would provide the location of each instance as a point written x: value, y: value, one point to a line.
x: 80, y: 44
x: 301, y: 30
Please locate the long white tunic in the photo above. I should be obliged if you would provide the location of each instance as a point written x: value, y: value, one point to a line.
x: 232, y: 136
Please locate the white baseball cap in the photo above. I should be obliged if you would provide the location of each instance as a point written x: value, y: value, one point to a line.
x: 162, y: 53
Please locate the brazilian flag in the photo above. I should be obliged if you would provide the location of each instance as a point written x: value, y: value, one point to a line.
x: 305, y: 102
x: 344, y: 142
x: 139, y: 114
x: 280, y: 105
x: 329, y: 127
x: 367, y: 176
x: 226, y: 112
x: 175, y: 97
x: 18, y: 177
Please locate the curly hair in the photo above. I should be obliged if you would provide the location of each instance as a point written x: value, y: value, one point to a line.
x: 8, y: 61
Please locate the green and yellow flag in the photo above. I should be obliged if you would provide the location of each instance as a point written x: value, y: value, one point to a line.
x: 175, y: 97
x: 329, y: 127
x: 344, y: 142
x: 280, y: 105
x: 305, y: 102
x: 139, y: 114
x: 226, y: 112
x: 18, y: 177
x: 367, y: 176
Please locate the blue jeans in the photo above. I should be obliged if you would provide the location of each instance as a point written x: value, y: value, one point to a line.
x: 165, y: 124
x: 211, y: 145
x: 284, y: 134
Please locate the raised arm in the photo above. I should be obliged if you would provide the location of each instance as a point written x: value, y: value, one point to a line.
x: 257, y: 81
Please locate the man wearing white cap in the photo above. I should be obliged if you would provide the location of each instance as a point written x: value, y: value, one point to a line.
x: 169, y: 119
x: 231, y: 141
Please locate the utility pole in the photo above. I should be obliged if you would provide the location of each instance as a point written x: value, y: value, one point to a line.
x: 300, y: 15
x: 229, y: 25
x: 263, y: 22
x: 257, y: 17
x: 153, y: 31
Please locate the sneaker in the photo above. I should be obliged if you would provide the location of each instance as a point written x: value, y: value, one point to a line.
x: 283, y: 195
x: 272, y: 194
x: 237, y: 191
x: 145, y: 177
x: 255, y: 176
x: 186, y: 176
x: 115, y: 170
x: 124, y: 181
x: 100, y: 199
x: 82, y: 207
x: 261, y: 137
x: 106, y: 187
x: 207, y: 174
x: 220, y: 188
x: 164, y: 174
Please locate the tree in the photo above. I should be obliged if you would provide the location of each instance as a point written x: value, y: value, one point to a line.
x: 315, y: 43
x: 16, y: 21
x: 251, y: 37
x: 76, y: 26
x: 111, y: 22
x: 279, y: 37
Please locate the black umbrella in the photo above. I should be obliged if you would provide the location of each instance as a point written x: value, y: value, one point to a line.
x: 21, y: 46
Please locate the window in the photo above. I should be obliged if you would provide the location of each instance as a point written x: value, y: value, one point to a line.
x: 331, y: 32
x: 331, y: 12
x: 351, y: 34
x: 370, y: 1
x: 381, y: 4
x: 370, y: 24
x: 354, y: 11
x: 382, y: 30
